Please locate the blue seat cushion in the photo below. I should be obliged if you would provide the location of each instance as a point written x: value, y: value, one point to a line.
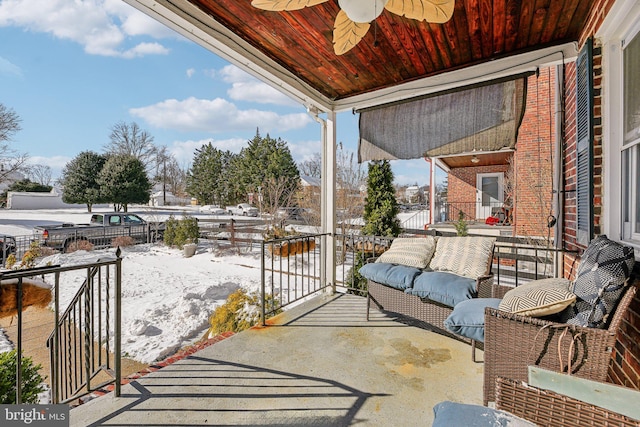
x: 443, y: 287
x: 448, y: 414
x: 394, y: 275
x: 467, y: 318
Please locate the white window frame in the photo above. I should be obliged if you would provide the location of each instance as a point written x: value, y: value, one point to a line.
x: 622, y: 23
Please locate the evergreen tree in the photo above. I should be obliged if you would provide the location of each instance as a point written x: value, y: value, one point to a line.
x: 380, y: 206
x: 380, y: 216
x: 123, y: 180
x: 266, y: 160
x: 208, y: 179
x: 79, y: 179
x: 26, y: 185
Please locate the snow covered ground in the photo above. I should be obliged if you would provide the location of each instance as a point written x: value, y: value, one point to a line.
x: 166, y: 298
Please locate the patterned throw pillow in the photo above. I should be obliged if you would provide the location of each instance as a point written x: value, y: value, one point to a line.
x: 468, y: 256
x: 539, y: 298
x: 600, y: 281
x: 410, y: 251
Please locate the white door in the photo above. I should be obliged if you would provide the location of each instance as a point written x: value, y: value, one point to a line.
x: 489, y: 194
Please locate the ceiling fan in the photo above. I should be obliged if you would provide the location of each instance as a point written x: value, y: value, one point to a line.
x: 353, y: 20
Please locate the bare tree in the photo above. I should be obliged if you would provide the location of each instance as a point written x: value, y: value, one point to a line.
x: 39, y: 173
x: 274, y: 194
x: 128, y: 138
x: 311, y: 167
x: 350, y: 180
x: 10, y: 160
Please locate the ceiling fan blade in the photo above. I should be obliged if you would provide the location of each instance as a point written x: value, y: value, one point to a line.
x: 278, y: 5
x: 346, y: 33
x: 436, y: 11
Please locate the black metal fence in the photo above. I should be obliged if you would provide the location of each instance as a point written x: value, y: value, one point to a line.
x: 449, y: 211
x: 292, y: 270
x: 84, y: 347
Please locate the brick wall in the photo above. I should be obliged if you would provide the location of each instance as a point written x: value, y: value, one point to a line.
x: 625, y: 359
x: 533, y: 160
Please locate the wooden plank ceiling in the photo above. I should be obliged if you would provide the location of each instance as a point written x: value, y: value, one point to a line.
x: 397, y: 49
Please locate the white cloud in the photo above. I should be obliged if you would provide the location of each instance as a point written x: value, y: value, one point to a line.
x: 409, y: 172
x: 136, y: 23
x: 56, y: 163
x: 190, y: 72
x: 245, y: 87
x: 217, y: 115
x: 9, y: 68
x: 305, y: 150
x: 100, y: 26
x: 145, y: 49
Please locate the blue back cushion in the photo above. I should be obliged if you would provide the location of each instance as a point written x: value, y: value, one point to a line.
x: 394, y: 275
x: 443, y: 287
x: 600, y: 282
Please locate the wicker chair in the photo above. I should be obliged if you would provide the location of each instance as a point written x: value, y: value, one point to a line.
x: 513, y: 342
x: 547, y: 408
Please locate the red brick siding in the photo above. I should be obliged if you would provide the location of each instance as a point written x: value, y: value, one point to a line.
x: 533, y: 160
x: 625, y: 360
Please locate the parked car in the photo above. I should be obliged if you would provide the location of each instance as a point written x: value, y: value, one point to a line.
x: 100, y: 231
x: 212, y: 210
x: 244, y: 209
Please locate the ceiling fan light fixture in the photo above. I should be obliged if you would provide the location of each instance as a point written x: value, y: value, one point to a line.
x: 362, y: 11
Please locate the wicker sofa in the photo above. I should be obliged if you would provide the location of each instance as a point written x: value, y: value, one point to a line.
x: 580, y: 346
x: 451, y: 262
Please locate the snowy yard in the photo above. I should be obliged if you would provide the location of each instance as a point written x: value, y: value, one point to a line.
x: 166, y: 298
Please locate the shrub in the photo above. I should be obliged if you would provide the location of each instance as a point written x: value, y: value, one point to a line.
x: 80, y: 245
x: 31, y: 379
x: 122, y: 241
x: 356, y: 283
x: 461, y: 225
x: 180, y: 232
x: 11, y: 261
x: 170, y: 225
x: 241, y: 311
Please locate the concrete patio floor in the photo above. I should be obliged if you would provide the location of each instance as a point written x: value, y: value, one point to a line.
x: 318, y: 364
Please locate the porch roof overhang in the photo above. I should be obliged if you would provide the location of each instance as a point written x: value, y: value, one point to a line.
x: 401, y: 59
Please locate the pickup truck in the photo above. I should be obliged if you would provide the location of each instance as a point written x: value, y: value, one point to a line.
x: 101, y: 230
x: 244, y: 209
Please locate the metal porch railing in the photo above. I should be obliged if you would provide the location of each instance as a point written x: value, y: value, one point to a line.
x: 87, y: 333
x: 291, y: 271
x: 92, y: 319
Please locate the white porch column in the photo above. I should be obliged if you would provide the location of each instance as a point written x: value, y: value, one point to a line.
x: 432, y: 189
x: 328, y: 202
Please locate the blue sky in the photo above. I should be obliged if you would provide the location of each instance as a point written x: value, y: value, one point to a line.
x: 72, y: 69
